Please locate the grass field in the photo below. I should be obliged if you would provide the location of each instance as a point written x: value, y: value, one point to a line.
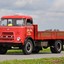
x: 36, y: 61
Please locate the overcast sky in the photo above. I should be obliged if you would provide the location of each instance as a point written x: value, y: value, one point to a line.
x: 48, y: 14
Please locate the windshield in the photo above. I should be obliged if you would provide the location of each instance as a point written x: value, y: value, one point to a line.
x: 12, y: 22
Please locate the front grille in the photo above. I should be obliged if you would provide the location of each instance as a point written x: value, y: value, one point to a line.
x: 7, y: 33
x: 7, y: 36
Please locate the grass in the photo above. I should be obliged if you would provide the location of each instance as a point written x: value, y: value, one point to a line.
x: 45, y: 50
x: 14, y: 51
x: 36, y: 61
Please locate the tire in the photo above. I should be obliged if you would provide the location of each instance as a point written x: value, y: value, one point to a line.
x: 36, y: 50
x: 28, y: 47
x: 62, y: 47
x: 3, y: 50
x: 57, y: 47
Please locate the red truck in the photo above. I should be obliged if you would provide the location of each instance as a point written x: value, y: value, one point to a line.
x: 19, y: 31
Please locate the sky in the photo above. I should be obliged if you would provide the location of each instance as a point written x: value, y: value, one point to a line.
x: 48, y: 14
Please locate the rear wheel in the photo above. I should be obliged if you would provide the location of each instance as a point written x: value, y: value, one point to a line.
x: 28, y: 47
x: 57, y: 47
x: 3, y: 50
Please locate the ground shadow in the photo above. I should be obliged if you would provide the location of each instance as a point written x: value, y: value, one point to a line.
x: 21, y: 53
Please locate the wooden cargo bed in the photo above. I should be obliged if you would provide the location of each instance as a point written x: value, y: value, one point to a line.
x: 45, y: 35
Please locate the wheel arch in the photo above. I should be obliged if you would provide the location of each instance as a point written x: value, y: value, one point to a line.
x: 30, y: 39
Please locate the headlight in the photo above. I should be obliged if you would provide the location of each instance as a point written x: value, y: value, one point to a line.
x: 18, y: 38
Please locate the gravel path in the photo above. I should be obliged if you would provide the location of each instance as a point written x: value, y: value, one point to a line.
x: 32, y: 56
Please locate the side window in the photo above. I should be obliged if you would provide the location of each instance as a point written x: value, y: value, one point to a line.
x: 29, y: 22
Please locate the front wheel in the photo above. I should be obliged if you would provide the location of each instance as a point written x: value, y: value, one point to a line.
x: 56, y: 47
x: 28, y: 47
x: 3, y: 50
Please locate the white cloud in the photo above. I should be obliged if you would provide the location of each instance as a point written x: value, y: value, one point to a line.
x: 58, y: 5
x: 6, y: 12
x: 20, y: 3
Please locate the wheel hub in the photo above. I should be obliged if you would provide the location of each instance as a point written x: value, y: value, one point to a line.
x: 28, y: 47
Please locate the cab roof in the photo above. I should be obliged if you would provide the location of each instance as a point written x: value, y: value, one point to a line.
x: 16, y: 16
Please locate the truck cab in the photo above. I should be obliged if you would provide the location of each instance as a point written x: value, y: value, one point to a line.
x: 15, y: 30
